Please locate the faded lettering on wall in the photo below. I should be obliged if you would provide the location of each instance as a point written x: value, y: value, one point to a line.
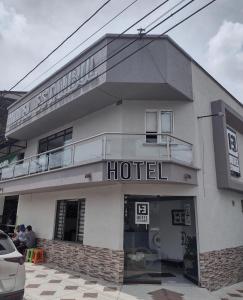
x: 71, y: 81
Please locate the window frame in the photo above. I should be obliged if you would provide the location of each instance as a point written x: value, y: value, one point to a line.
x: 81, y: 201
x: 159, y: 124
x: 47, y: 139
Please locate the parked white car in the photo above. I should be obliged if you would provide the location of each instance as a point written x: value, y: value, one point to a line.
x: 12, y: 270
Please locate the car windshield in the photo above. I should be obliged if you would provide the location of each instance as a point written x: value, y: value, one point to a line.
x: 6, y: 245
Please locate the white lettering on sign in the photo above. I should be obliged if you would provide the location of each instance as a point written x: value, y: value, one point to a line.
x: 67, y: 84
x: 233, y: 152
x: 142, y: 213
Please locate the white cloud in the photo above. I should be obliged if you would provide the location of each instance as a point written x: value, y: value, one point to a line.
x: 12, y: 25
x: 225, y: 57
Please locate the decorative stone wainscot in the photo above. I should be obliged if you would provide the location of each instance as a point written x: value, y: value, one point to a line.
x: 97, y: 262
x: 221, y: 268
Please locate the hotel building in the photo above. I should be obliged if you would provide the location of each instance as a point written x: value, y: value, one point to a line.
x: 133, y: 165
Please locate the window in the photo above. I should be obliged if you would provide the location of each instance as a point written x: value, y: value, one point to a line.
x: 70, y: 220
x: 56, y: 140
x: 151, y: 127
x: 158, y: 122
x: 166, y: 122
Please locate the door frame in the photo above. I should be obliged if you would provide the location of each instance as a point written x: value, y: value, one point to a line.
x: 136, y: 197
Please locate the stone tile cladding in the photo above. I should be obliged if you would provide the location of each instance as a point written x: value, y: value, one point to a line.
x: 97, y: 262
x: 221, y: 268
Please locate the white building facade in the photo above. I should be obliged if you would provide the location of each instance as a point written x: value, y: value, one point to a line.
x: 133, y: 165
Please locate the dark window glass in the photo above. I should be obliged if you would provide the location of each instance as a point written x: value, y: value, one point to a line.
x: 151, y: 137
x: 55, y: 141
x: 70, y: 220
x: 42, y: 146
x: 68, y: 137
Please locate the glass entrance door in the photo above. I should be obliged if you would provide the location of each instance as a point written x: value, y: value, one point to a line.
x: 142, y: 242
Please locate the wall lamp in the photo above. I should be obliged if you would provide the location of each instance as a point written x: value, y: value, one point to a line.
x: 219, y: 114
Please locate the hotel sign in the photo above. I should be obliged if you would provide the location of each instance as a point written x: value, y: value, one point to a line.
x: 142, y: 213
x: 134, y: 171
x: 71, y: 81
x: 233, y: 152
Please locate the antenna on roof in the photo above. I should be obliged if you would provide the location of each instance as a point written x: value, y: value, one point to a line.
x: 140, y: 32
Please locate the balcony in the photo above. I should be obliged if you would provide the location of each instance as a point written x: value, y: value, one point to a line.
x: 103, y: 159
x: 108, y: 146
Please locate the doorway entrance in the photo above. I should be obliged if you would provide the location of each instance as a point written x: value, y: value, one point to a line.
x: 159, y: 239
x: 9, y: 215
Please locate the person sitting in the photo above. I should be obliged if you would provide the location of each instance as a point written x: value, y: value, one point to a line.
x: 20, y: 239
x: 30, y: 237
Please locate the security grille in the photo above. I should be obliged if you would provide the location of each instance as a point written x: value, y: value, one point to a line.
x: 60, y: 219
x: 62, y: 227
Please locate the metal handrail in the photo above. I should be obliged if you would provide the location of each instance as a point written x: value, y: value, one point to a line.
x: 29, y: 158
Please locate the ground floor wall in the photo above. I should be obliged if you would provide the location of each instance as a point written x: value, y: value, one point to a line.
x: 221, y: 268
x: 220, y: 255
x: 95, y: 261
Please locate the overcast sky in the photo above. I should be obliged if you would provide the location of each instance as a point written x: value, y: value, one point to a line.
x: 30, y: 29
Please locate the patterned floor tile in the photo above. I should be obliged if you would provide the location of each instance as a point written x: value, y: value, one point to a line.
x: 55, y: 281
x: 110, y: 289
x: 235, y: 295
x: 47, y: 293
x: 89, y: 282
x: 32, y: 286
x: 90, y: 295
x: 71, y: 287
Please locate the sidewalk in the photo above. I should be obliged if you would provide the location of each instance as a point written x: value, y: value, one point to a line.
x: 47, y: 282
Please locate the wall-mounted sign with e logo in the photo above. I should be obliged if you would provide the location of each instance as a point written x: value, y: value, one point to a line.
x: 142, y: 213
x: 233, y: 152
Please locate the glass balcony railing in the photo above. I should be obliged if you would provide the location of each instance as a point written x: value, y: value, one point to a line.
x: 108, y: 146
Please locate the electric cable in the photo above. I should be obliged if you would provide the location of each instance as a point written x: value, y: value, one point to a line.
x: 79, y: 45
x: 63, y: 42
x: 164, y: 14
x: 117, y: 37
x: 137, y: 50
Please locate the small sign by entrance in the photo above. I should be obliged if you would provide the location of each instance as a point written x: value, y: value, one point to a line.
x: 142, y: 213
x: 188, y: 221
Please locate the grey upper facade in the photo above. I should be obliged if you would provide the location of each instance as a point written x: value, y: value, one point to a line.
x: 104, y: 94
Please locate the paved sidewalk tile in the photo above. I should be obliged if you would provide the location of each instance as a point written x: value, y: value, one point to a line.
x: 46, y: 282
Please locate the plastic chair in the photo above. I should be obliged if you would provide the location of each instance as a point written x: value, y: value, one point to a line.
x: 29, y: 255
x: 38, y: 256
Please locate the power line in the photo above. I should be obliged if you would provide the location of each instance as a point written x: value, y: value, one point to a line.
x: 63, y: 42
x: 117, y: 37
x: 79, y: 45
x: 164, y: 14
x: 107, y: 59
x: 139, y: 49
x: 110, y: 42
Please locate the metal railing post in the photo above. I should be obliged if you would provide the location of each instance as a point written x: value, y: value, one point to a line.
x: 168, y: 147
x: 104, y: 141
x: 72, y: 154
x: 28, y: 172
x: 14, y: 170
